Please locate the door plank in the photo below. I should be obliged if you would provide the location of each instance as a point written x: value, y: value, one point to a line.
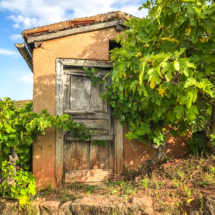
x: 79, y: 112
x: 98, y: 156
x: 82, y: 72
x: 76, y: 155
x: 111, y: 154
x: 94, y: 124
x: 96, y: 103
x: 87, y: 115
x: 92, y: 175
x: 59, y: 133
x: 118, y: 146
x: 80, y: 93
x: 98, y: 137
x: 66, y: 91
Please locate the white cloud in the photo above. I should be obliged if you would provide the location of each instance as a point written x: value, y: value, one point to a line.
x: 134, y: 11
x: 15, y: 37
x: 33, y: 13
x: 26, y: 79
x: 8, y: 52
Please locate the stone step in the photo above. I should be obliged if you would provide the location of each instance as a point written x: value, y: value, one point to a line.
x: 87, y: 205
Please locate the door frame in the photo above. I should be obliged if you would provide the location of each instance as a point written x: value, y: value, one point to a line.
x: 118, y: 128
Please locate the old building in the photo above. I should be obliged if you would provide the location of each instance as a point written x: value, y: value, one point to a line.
x: 56, y: 54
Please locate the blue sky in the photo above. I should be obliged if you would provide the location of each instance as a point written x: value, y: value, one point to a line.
x: 16, y: 79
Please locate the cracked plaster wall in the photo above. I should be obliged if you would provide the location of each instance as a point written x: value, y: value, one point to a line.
x: 91, y: 45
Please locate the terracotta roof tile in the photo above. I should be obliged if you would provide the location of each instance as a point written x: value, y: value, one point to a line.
x: 106, y: 17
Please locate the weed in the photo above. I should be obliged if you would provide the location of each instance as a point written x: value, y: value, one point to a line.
x: 77, y: 186
x: 30, y: 209
x: 212, y: 170
x: 90, y: 189
x: 145, y: 183
x: 187, y: 191
x: 114, y: 191
x: 130, y: 190
x: 181, y: 175
x: 204, y: 183
x: 64, y: 197
x: 49, y: 185
x: 176, y: 183
x: 126, y: 198
x: 161, y: 184
x: 201, y: 203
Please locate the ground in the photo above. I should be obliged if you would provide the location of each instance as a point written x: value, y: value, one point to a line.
x: 175, y: 187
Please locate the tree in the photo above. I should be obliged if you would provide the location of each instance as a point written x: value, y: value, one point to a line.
x: 164, y: 74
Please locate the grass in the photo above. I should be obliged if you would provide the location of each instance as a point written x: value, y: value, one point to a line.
x: 174, y: 186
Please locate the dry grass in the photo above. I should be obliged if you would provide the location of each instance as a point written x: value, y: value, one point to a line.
x: 177, y: 185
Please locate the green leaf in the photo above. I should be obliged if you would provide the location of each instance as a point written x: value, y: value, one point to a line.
x: 178, y: 53
x: 175, y: 7
x: 200, y: 30
x: 193, y: 22
x: 173, y: 133
x: 191, y: 96
x: 171, y: 116
x: 176, y: 65
x: 190, y: 82
x: 133, y: 85
x: 131, y: 136
x: 208, y: 24
x: 179, y: 110
x: 142, y: 73
x: 9, y: 129
x: 210, y: 10
x: 193, y: 34
x: 183, y: 65
x: 192, y: 112
x: 6, y: 150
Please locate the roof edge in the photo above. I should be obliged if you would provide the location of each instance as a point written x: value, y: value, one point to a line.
x: 25, y: 54
x: 68, y: 32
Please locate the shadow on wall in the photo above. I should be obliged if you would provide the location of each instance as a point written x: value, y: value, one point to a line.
x: 44, y: 146
x: 45, y: 93
x: 99, y: 49
x: 136, y: 152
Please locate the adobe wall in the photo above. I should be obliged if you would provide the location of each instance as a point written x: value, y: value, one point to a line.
x: 91, y: 45
x: 136, y: 152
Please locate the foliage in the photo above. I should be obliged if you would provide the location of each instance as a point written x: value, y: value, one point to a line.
x: 176, y: 183
x: 23, y: 186
x: 187, y: 191
x: 18, y: 128
x: 197, y: 144
x: 145, y: 183
x: 49, y: 185
x: 164, y: 74
x: 181, y: 175
x: 212, y: 170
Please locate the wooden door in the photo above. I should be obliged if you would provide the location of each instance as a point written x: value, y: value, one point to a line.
x: 84, y: 161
